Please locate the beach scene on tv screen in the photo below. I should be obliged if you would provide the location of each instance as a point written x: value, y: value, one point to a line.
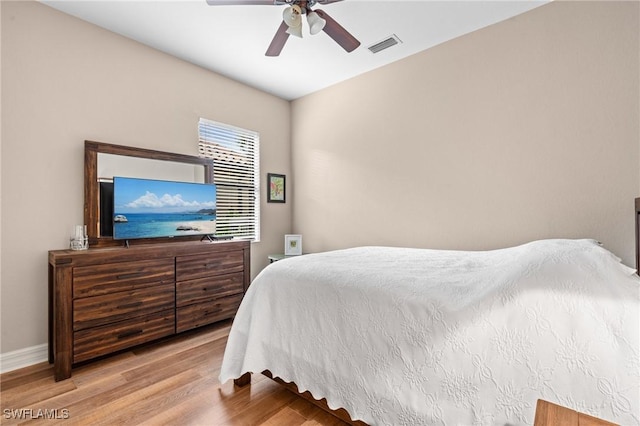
x: 145, y: 208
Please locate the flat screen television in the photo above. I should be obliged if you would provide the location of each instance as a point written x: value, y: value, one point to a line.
x: 146, y: 208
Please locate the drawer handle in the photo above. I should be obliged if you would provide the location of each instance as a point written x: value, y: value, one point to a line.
x: 129, y: 305
x: 129, y: 333
x: 127, y: 276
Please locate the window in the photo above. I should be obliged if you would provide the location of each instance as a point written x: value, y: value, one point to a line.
x: 236, y: 173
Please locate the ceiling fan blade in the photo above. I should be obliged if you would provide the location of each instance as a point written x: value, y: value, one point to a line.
x: 327, y: 1
x: 243, y: 2
x: 278, y: 41
x: 338, y: 33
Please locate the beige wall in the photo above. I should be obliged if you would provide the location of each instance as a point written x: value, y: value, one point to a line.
x: 64, y: 81
x: 523, y: 130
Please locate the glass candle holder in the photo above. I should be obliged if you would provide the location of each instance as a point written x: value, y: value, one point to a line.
x: 79, y: 239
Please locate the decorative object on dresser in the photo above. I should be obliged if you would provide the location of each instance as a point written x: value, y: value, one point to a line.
x: 105, y: 300
x: 79, y: 239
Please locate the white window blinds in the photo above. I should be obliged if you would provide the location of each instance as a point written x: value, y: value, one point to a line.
x: 236, y: 173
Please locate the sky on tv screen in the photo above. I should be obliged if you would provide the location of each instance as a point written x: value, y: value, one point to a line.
x: 156, y: 196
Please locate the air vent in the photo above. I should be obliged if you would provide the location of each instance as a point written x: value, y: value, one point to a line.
x: 392, y: 40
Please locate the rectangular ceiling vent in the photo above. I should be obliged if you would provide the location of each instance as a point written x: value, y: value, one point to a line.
x: 392, y: 40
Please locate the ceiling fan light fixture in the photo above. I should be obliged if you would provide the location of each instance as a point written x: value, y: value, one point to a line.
x: 292, y: 17
x: 295, y: 31
x: 316, y: 23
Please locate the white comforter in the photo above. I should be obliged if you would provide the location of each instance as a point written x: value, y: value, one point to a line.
x: 404, y: 336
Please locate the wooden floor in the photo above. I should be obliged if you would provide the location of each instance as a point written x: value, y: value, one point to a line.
x: 174, y: 382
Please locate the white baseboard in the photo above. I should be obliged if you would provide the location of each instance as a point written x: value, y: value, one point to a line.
x: 23, y: 357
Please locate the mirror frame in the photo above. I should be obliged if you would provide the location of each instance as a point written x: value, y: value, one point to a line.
x: 92, y: 186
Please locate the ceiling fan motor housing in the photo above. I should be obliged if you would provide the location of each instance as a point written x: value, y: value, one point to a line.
x: 304, y: 4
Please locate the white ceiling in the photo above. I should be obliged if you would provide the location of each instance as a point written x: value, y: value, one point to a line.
x: 232, y: 40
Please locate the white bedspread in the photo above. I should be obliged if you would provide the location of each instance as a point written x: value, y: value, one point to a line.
x: 403, y: 336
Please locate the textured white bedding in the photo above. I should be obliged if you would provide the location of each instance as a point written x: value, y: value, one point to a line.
x: 403, y: 336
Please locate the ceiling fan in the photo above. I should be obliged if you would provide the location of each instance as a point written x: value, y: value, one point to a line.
x: 318, y: 20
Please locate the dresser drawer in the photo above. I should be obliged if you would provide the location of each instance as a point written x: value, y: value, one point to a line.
x: 108, y: 308
x: 207, y: 265
x: 206, y: 312
x: 98, y: 341
x: 106, y: 278
x: 188, y: 292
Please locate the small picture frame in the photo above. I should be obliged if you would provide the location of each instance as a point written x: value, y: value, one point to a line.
x: 292, y: 245
x: 276, y: 191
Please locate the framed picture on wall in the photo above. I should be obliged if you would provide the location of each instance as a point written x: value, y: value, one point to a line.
x: 292, y: 245
x: 276, y: 190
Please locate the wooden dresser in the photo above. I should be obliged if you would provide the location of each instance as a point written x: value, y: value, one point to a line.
x: 108, y: 299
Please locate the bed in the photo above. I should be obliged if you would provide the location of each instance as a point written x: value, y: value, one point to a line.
x: 403, y: 336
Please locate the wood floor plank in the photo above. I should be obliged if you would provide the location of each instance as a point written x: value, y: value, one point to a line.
x: 130, y: 389
x: 87, y: 392
x: 285, y: 417
x: 326, y: 419
x: 179, y: 361
x: 26, y: 375
x: 148, y: 407
x: 35, y: 391
x: 304, y: 407
x: 202, y: 406
x: 261, y: 408
x: 113, y: 407
x: 114, y: 364
x: 171, y: 382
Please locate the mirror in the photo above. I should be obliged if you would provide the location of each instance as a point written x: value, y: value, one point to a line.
x: 144, y: 168
x: 102, y: 161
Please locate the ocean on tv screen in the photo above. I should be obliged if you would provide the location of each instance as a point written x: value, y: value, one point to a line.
x: 152, y: 225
